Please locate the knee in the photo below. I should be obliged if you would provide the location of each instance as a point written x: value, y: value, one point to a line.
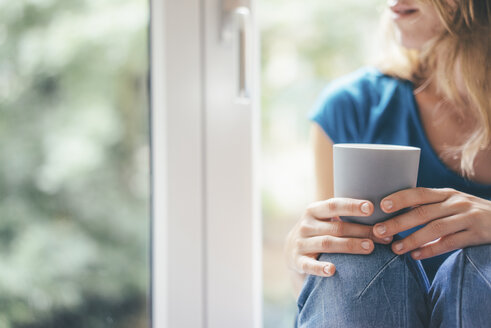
x: 468, y: 263
x: 361, y: 282
x: 461, y: 288
x: 353, y: 273
x: 478, y: 259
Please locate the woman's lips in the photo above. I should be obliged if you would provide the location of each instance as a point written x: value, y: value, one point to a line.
x: 400, y: 11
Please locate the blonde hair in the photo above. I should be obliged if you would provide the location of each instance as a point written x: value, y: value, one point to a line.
x: 466, y: 44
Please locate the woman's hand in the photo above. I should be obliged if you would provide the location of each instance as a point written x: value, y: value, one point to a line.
x: 453, y: 220
x: 321, y: 231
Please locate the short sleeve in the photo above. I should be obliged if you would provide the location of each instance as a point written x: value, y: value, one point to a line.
x: 343, y: 108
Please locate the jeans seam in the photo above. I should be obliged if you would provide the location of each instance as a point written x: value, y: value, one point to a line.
x: 459, y: 295
x: 478, y: 271
x: 376, y: 276
x: 406, y: 305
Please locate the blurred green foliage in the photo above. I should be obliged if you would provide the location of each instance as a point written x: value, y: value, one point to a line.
x: 74, y: 200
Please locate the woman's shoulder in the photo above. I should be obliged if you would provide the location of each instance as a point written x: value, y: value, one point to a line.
x: 347, y: 105
x: 364, y: 82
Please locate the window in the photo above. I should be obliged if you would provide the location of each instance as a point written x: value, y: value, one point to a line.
x: 74, y: 179
x: 305, y: 44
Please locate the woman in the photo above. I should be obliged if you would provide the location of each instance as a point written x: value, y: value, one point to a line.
x: 434, y: 93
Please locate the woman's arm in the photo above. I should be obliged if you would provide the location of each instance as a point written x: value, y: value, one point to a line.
x: 322, y: 147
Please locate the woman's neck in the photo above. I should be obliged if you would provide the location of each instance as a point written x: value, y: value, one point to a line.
x: 447, y: 127
x: 440, y: 108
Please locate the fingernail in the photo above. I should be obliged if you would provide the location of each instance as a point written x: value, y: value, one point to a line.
x: 398, y: 247
x: 365, y: 244
x: 327, y: 269
x: 365, y: 208
x: 387, y: 204
x: 381, y: 229
x: 387, y: 239
x: 416, y: 255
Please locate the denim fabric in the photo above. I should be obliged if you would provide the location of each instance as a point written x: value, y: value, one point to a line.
x: 386, y: 290
x: 461, y: 293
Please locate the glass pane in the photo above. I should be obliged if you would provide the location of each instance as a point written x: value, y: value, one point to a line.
x: 74, y: 178
x: 305, y: 44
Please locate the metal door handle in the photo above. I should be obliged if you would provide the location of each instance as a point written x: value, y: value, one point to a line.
x: 243, y: 16
x: 238, y: 19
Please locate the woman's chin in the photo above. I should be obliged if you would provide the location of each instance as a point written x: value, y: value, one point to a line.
x: 409, y: 42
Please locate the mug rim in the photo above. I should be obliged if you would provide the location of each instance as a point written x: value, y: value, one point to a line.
x: 368, y: 146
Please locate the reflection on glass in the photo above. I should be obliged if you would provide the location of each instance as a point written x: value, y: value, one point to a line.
x: 74, y: 201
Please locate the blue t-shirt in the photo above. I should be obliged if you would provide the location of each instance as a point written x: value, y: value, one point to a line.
x: 370, y: 107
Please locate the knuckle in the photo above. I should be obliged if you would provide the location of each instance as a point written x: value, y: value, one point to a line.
x: 448, y: 243
x: 410, y: 242
x: 437, y: 227
x: 350, y: 245
x: 460, y: 202
x: 331, y: 205
x: 452, y: 203
x: 422, y: 192
x: 352, y: 206
x: 305, y: 228
x: 473, y: 213
x: 467, y: 204
x: 310, y: 208
x: 304, y: 266
x: 421, y: 212
x: 336, y: 228
x: 299, y: 244
x: 326, y: 243
x: 394, y: 224
x: 449, y: 191
x: 369, y: 234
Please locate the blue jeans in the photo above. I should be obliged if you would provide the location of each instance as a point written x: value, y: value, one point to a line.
x: 386, y: 290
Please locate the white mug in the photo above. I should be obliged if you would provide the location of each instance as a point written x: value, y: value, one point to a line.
x: 372, y: 172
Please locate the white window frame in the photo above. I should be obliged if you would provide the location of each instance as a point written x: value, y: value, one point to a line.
x: 206, y: 229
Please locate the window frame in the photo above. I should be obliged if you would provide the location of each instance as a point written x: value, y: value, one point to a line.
x: 205, y: 150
